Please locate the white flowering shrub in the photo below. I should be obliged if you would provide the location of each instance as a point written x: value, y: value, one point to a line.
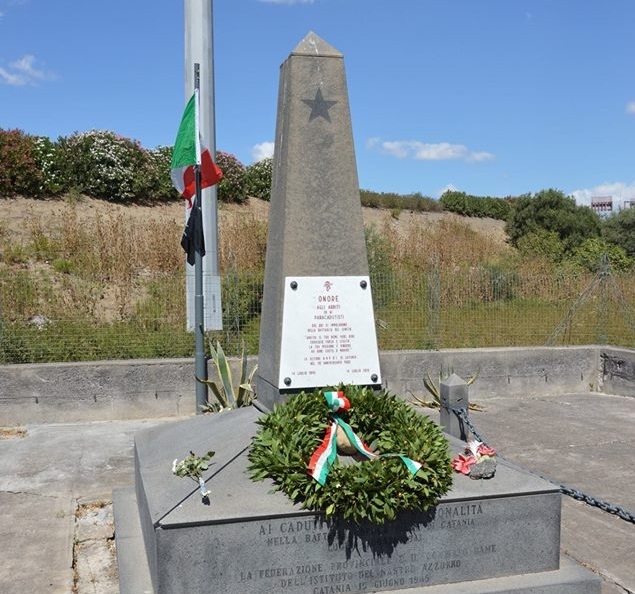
x: 105, y: 165
x: 49, y: 160
x: 232, y: 187
x: 258, y: 179
x: 159, y: 181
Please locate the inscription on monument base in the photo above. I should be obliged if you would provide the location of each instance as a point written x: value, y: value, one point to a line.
x: 456, y: 542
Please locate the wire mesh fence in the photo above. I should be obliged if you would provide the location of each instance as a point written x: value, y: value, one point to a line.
x: 46, y: 318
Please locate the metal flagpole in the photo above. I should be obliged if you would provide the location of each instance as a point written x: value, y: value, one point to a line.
x: 202, y: 284
x: 200, y: 362
x: 199, y: 48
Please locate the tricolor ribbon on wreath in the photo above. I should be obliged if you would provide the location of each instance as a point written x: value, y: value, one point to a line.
x: 326, y: 453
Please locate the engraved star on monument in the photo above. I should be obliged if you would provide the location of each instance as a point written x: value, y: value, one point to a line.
x: 319, y: 106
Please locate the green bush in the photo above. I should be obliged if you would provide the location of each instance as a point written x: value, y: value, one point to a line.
x: 389, y: 200
x: 541, y: 244
x: 232, y: 187
x: 619, y: 229
x: 475, y: 206
x: 62, y: 265
x: 596, y: 253
x: 19, y: 171
x: 552, y: 211
x: 418, y: 203
x: 258, y: 179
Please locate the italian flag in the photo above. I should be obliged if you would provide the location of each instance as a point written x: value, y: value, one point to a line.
x: 324, y: 456
x: 189, y: 151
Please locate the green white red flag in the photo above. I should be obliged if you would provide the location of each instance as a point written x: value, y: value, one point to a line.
x: 189, y: 150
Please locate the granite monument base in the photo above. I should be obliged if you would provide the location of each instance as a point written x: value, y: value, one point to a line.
x: 498, y: 535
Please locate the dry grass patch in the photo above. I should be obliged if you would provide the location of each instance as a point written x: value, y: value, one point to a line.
x: 12, y: 433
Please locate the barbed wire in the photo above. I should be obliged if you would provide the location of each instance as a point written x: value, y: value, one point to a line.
x: 620, y: 512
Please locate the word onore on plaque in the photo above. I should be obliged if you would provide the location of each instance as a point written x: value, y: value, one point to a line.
x: 328, y: 333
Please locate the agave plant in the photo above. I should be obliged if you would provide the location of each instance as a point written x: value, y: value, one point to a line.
x: 434, y: 389
x: 226, y: 394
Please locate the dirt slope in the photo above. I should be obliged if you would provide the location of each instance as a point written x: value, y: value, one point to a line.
x: 17, y: 215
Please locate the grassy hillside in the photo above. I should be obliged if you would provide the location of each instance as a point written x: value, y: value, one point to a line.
x: 88, y: 279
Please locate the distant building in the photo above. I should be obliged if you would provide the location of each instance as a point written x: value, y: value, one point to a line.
x: 602, y: 204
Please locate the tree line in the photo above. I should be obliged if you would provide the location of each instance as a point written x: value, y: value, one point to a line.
x: 104, y: 165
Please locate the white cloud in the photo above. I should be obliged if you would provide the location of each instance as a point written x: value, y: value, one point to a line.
x: 446, y: 188
x: 9, y: 78
x: 373, y: 142
x: 9, y: 4
x: 23, y: 72
x: 480, y: 156
x: 262, y: 150
x: 619, y: 191
x: 630, y: 107
x: 424, y: 151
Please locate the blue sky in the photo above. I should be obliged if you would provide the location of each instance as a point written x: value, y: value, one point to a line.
x: 490, y: 97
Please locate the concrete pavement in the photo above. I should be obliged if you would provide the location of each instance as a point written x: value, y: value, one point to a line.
x: 49, y: 472
x: 45, y: 474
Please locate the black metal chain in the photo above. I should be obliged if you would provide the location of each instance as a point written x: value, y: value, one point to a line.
x: 463, y: 416
x: 624, y: 514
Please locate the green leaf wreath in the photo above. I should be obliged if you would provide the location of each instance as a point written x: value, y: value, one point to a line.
x: 374, y: 490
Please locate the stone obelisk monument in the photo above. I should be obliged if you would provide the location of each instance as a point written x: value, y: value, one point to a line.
x: 317, y: 325
x: 500, y: 536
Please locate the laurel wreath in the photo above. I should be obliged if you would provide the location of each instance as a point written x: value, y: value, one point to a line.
x: 375, y: 490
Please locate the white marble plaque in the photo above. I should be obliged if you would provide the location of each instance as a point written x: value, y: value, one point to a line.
x: 328, y: 333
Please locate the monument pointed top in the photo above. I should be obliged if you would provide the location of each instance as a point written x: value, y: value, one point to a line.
x: 314, y: 45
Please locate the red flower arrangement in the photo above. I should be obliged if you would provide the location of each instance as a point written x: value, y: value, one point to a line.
x: 474, y: 452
